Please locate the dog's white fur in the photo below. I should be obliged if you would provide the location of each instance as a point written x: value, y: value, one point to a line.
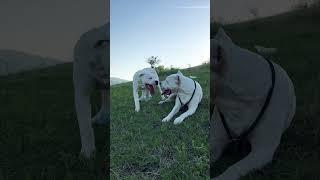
x: 241, y: 80
x: 140, y: 79
x: 91, y: 65
x: 183, y: 87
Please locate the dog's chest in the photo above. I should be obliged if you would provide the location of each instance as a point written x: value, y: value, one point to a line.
x: 238, y: 115
x: 184, y: 99
x: 98, y: 72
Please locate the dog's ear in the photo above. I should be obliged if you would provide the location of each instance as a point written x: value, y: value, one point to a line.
x: 222, y: 37
x: 101, y: 43
x: 218, y: 56
x: 178, y: 79
x: 180, y: 73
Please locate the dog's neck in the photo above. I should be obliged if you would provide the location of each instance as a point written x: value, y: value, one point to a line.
x: 187, y: 83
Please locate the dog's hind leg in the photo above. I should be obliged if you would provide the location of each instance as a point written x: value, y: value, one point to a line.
x: 83, y: 109
x: 162, y: 96
x: 136, y: 97
x: 261, y: 154
x: 189, y: 112
x: 148, y: 95
x: 144, y: 93
x: 101, y: 117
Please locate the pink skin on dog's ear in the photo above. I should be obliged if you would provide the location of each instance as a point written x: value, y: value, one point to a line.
x: 218, y: 59
x: 178, y: 79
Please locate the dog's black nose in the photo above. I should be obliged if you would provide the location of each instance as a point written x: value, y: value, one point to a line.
x: 156, y: 82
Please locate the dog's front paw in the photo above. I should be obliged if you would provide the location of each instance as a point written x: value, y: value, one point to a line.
x: 87, y: 153
x: 143, y: 98
x: 161, y: 102
x: 166, y: 119
x: 178, y: 120
x: 137, y: 109
x: 100, y: 118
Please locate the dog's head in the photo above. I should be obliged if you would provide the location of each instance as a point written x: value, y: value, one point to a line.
x: 101, y: 45
x: 221, y: 52
x: 171, y: 83
x: 150, y: 81
x: 236, y: 71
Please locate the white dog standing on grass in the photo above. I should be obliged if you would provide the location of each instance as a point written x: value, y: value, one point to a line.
x: 147, y: 79
x: 242, y: 81
x: 187, y: 93
x: 91, y: 71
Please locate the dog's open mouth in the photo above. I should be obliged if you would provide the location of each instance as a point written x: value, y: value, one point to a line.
x: 166, y: 92
x: 150, y: 88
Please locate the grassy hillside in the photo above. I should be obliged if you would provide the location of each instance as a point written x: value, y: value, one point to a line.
x: 114, y: 81
x: 12, y: 61
x: 142, y: 147
x: 39, y: 134
x: 297, y: 37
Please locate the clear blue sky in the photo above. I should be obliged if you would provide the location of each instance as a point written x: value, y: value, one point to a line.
x: 176, y: 31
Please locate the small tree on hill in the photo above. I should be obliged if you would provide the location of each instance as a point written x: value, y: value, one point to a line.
x: 153, y: 61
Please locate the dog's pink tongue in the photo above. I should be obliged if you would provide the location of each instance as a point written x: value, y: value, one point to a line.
x: 150, y: 88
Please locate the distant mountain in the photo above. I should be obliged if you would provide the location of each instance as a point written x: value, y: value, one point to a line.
x: 114, y: 81
x: 12, y: 61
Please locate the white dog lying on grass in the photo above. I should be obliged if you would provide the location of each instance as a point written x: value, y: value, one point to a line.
x: 147, y: 79
x: 242, y: 81
x: 187, y: 93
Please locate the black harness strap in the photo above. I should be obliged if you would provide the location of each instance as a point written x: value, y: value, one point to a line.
x: 254, y: 124
x: 225, y: 125
x: 268, y: 98
x: 184, y: 105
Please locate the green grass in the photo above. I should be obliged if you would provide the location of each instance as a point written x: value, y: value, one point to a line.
x: 39, y: 134
x: 297, y: 37
x: 142, y: 147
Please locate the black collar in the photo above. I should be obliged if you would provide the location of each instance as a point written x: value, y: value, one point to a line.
x: 254, y: 124
x: 184, y: 105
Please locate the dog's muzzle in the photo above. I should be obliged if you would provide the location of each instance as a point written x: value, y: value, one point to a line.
x: 166, y: 92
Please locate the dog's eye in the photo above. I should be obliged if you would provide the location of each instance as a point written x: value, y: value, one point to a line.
x: 150, y: 77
